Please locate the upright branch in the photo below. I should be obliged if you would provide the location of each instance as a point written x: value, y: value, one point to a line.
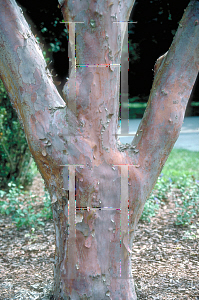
x: 175, y: 75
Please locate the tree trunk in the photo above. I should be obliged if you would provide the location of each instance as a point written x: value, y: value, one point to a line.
x: 76, y: 138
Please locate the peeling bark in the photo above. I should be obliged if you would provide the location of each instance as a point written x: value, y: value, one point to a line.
x: 93, y: 247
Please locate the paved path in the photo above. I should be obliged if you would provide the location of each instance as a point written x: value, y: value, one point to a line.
x: 188, y: 139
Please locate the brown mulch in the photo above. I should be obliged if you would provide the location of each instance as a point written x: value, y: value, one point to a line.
x: 165, y: 260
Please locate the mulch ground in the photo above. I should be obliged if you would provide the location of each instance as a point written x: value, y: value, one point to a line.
x: 165, y: 259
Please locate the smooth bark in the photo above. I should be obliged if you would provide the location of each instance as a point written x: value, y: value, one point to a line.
x: 92, y: 258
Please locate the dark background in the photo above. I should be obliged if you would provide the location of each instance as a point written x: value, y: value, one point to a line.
x: 152, y: 35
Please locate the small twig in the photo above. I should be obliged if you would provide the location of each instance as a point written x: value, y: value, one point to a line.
x: 8, y: 155
x: 30, y: 162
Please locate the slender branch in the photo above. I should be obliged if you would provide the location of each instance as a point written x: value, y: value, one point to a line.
x: 23, y: 68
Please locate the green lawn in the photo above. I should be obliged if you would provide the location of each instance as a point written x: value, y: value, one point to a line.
x: 181, y: 162
x: 181, y: 172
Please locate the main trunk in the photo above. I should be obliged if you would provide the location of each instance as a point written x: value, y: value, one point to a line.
x: 92, y: 261
x: 92, y: 258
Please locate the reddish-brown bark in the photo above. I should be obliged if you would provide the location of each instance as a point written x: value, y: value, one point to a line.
x: 92, y: 260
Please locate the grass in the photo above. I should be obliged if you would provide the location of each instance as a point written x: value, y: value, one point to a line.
x: 181, y: 172
x: 181, y: 162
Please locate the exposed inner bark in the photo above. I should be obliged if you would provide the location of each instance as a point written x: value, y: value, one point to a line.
x: 76, y: 137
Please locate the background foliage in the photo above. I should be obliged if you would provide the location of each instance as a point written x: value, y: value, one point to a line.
x: 15, y: 157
